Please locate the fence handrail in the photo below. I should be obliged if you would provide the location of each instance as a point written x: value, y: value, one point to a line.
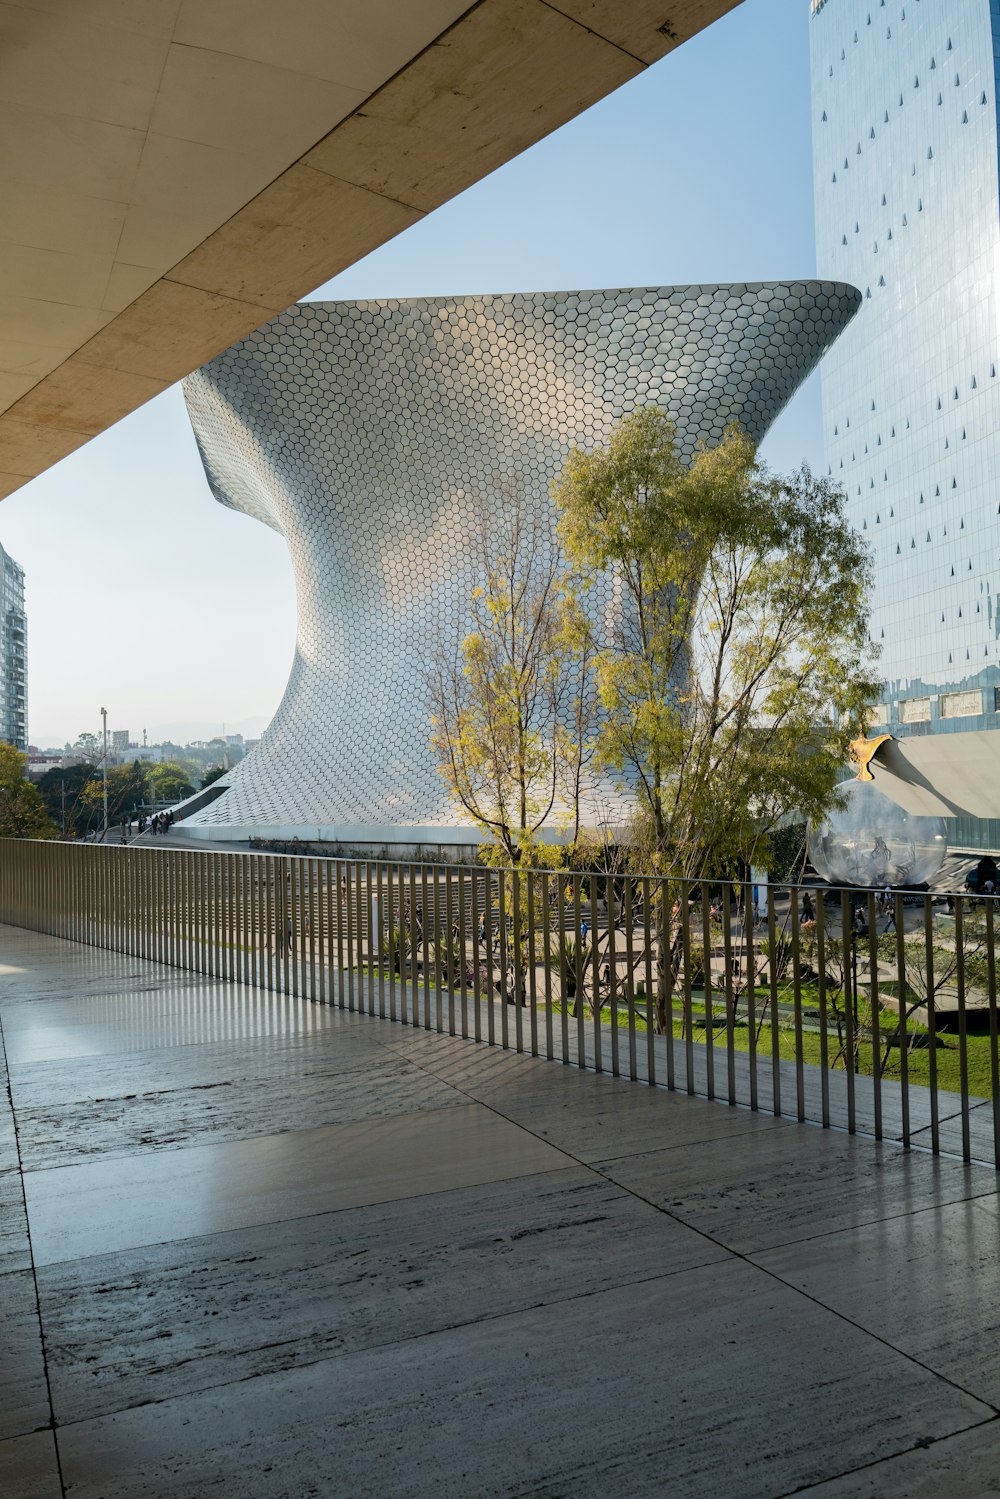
x: 829, y: 1010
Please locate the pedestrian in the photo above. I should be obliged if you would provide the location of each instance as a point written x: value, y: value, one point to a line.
x: 808, y: 914
x: 889, y: 906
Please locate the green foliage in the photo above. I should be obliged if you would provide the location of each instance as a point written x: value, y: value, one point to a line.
x: 735, y: 672
x: 126, y: 794
x: 63, y: 789
x: 23, y: 813
x: 170, y: 781
x: 211, y: 776
x: 505, y: 702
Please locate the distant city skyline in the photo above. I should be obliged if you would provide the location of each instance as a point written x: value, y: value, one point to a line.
x: 145, y: 596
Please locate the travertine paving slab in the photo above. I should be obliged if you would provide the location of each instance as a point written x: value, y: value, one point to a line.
x: 226, y: 1109
x: 592, y: 1118
x: 665, y: 1387
x: 908, y: 1280
x: 965, y: 1466
x: 154, y: 1197
x: 264, y: 1059
x: 146, y: 1324
x: 24, y: 1401
x: 29, y: 1469
x: 760, y: 1190
x: 15, y: 1250
x: 115, y: 1023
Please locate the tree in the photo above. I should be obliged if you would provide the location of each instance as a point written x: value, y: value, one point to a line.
x: 62, y: 792
x: 89, y: 744
x: 170, y: 781
x: 22, y: 811
x: 211, y: 776
x: 508, y: 701
x: 735, y: 670
x: 126, y: 793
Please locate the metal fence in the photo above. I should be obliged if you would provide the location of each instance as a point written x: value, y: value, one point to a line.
x: 847, y: 1008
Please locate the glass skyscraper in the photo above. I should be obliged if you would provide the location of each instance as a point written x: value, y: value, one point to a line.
x: 13, y: 654
x: 904, y: 100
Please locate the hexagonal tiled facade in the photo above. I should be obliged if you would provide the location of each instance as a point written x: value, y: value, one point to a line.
x: 369, y: 434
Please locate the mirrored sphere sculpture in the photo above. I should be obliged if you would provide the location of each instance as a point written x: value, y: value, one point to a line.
x: 870, y: 841
x: 370, y: 434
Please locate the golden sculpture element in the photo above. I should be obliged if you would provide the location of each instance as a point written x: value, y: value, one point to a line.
x: 863, y: 752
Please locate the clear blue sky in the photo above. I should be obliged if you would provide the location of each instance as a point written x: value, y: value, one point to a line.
x: 148, y: 598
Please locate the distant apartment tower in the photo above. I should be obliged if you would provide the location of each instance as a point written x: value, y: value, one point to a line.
x: 904, y: 101
x: 13, y: 655
x: 119, y: 740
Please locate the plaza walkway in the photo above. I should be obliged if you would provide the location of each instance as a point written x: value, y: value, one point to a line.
x: 253, y: 1247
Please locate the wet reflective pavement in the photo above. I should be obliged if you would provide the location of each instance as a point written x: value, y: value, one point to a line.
x: 256, y: 1247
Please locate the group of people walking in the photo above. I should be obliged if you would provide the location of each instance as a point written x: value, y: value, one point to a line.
x: 160, y: 822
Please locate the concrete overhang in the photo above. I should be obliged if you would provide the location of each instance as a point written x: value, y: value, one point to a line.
x: 942, y: 775
x: 176, y: 172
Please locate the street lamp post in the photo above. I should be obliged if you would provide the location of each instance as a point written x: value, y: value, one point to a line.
x: 104, y: 718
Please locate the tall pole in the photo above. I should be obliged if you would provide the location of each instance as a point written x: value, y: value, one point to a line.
x: 104, y: 717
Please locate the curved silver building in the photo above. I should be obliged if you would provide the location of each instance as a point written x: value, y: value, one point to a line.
x: 370, y: 434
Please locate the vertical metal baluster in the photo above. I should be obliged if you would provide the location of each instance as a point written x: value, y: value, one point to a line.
x: 579, y: 955
x: 374, y: 936
x: 530, y: 884
x: 311, y: 986
x: 349, y: 913
x: 503, y: 954
x: 463, y: 951
x: 477, y: 1024
x: 824, y: 1038
x: 706, y: 938
x: 380, y: 871
x: 330, y: 889
x: 440, y: 967
x: 547, y: 972
x: 563, y: 985
x: 647, y: 942
x: 245, y: 927
x: 416, y: 935
x: 666, y: 960
x: 772, y: 984
x: 452, y: 947
x: 729, y: 987
x: 876, y: 1031
x: 362, y: 936
x: 293, y: 935
x: 633, y: 1060
x: 684, y: 912
x: 426, y: 917
x: 340, y: 897
x: 800, y: 1073
x: 611, y: 963
x: 392, y: 962
x: 750, y: 940
x: 991, y: 985
x: 516, y: 957
x: 595, y: 978
x: 490, y: 1006
x: 850, y: 998
x: 963, y: 1048
x: 932, y: 1078
x: 899, y: 917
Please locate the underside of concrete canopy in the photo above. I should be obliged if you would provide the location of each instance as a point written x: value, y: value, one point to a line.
x: 176, y: 172
x: 941, y: 775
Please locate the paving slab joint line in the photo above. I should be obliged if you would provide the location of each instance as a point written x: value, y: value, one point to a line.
x: 753, y: 1264
x: 923, y: 1445
x: 34, y: 1271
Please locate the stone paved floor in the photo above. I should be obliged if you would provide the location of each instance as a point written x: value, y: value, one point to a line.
x: 253, y: 1247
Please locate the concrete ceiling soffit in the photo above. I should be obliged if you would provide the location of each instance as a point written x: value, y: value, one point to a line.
x: 503, y: 76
